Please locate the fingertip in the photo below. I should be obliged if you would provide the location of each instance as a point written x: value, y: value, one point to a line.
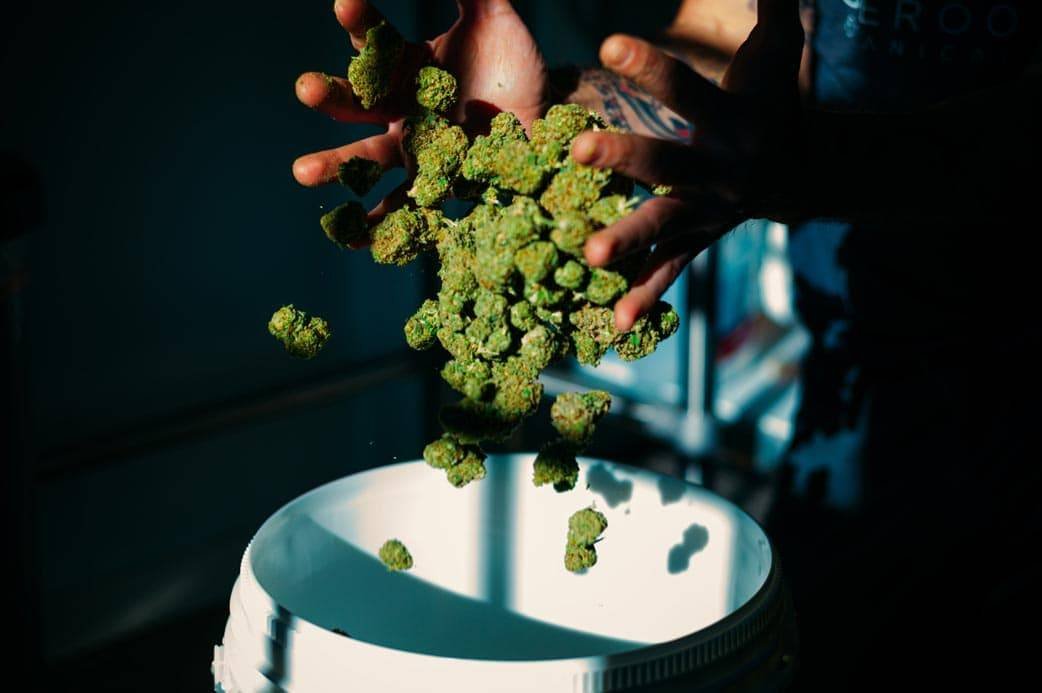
x: 625, y: 314
x: 313, y: 88
x: 307, y: 171
x: 616, y: 50
x: 349, y: 12
x: 599, y: 250
x: 586, y: 147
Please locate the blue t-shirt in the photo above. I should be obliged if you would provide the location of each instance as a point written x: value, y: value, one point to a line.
x: 899, y: 55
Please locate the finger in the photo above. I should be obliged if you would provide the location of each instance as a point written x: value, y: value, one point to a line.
x: 768, y: 62
x: 334, y: 97
x: 647, y: 159
x: 663, y: 268
x: 357, y: 17
x: 321, y: 167
x: 634, y: 232
x: 667, y: 79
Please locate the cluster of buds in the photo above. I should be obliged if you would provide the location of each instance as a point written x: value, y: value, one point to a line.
x: 516, y: 294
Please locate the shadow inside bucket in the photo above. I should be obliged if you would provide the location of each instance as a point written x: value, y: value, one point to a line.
x: 346, y: 588
x: 603, y: 482
x: 671, y: 489
x: 695, y: 538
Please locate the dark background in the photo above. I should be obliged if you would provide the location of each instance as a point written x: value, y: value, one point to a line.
x: 151, y: 423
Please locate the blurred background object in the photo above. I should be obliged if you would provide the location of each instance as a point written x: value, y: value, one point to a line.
x: 151, y: 149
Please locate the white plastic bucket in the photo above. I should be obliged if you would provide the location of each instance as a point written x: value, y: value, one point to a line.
x: 684, y: 580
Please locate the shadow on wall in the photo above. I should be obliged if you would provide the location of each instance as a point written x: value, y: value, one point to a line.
x: 166, y: 157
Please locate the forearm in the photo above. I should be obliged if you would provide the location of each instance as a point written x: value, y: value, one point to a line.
x: 961, y: 161
x: 623, y: 105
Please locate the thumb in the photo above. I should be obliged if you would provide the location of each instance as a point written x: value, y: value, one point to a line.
x: 768, y: 63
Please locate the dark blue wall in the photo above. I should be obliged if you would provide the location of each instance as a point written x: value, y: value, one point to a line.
x: 163, y: 137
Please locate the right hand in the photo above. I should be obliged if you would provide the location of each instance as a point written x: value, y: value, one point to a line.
x: 741, y: 162
x: 489, y: 50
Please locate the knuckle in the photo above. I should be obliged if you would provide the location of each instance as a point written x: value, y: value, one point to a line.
x: 644, y: 62
x: 611, y: 149
x: 621, y: 148
x: 659, y: 212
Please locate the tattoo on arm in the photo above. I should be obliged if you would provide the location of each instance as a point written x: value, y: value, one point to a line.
x: 629, y: 108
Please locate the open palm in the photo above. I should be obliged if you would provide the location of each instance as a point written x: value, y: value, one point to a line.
x: 489, y: 49
x: 495, y: 59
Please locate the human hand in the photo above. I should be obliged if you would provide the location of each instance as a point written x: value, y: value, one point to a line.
x: 735, y: 166
x: 490, y: 51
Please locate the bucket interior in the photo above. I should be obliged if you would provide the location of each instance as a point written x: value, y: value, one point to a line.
x: 489, y: 580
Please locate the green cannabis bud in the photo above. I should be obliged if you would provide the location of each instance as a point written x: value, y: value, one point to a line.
x: 470, y: 469
x: 359, y: 174
x: 571, y: 229
x: 570, y: 275
x: 437, y: 161
x: 647, y: 332
x: 605, y: 286
x: 584, y: 530
x: 536, y: 260
x: 395, y: 556
x: 462, y: 462
x: 594, y: 333
x: 575, y: 414
x: 470, y: 377
x: 398, y: 238
x: 420, y: 131
x: 608, y: 210
x: 523, y: 316
x: 555, y: 464
x: 563, y: 123
x: 435, y: 89
x: 371, y: 72
x: 302, y: 336
x: 346, y: 225
x: 421, y: 330
x: 481, y: 162
x: 520, y: 167
x: 575, y: 188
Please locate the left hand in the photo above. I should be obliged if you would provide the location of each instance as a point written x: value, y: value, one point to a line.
x: 490, y: 51
x: 736, y: 166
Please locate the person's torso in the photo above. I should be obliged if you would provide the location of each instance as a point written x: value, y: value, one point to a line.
x: 911, y: 284
x: 899, y: 55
